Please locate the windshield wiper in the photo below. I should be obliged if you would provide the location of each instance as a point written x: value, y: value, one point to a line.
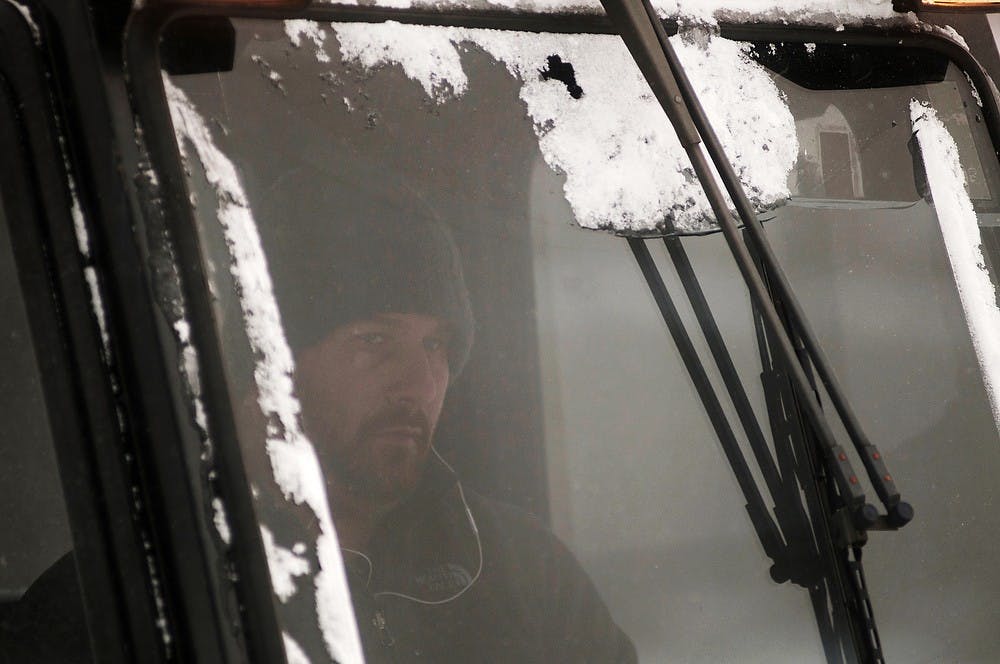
x: 788, y: 337
x: 811, y: 556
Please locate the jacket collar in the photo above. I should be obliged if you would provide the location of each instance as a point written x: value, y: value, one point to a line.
x: 426, y: 547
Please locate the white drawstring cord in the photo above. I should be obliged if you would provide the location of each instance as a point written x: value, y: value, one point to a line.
x: 479, y: 546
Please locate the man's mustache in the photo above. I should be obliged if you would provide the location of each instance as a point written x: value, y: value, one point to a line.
x: 397, y: 417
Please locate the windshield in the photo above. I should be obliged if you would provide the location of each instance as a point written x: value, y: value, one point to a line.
x: 517, y: 464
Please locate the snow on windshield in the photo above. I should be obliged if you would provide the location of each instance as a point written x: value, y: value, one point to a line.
x: 293, y: 459
x: 221, y: 521
x: 625, y: 169
x: 285, y: 564
x: 293, y: 651
x: 26, y: 13
x: 962, y: 240
x: 83, y: 244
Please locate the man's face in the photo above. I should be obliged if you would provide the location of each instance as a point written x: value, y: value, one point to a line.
x: 371, y: 394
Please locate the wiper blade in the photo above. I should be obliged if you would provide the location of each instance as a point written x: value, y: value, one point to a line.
x: 807, y: 537
x: 767, y: 531
x: 646, y: 39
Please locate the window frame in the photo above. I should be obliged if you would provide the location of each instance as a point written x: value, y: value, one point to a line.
x: 163, y: 587
x: 75, y: 379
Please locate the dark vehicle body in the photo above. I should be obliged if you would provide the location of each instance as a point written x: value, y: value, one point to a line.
x: 131, y: 528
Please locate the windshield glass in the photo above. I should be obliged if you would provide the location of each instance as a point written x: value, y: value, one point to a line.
x: 517, y: 464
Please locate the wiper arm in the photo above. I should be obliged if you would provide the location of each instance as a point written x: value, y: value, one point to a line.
x: 647, y: 41
x: 788, y: 542
x: 805, y: 544
x: 840, y: 542
x: 767, y: 532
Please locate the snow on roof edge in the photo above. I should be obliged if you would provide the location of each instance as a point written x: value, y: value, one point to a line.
x: 836, y: 14
x: 830, y: 13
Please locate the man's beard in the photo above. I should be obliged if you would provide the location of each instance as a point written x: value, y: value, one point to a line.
x: 385, y: 459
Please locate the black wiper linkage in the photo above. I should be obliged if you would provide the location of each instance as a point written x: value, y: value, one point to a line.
x: 646, y: 39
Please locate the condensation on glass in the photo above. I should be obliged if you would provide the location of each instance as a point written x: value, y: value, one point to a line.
x: 573, y: 405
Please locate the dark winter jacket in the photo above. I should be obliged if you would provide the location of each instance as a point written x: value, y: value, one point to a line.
x: 531, y: 602
x: 423, y: 597
x: 47, y: 623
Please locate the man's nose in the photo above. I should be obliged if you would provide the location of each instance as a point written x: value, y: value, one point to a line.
x: 417, y: 379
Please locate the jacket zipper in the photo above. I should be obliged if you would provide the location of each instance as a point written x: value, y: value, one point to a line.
x: 385, y: 636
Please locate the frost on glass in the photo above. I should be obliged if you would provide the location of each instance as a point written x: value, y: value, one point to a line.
x: 624, y: 168
x: 962, y: 239
x: 293, y: 460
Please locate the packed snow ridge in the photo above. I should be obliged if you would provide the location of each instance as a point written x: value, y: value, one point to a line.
x: 828, y: 13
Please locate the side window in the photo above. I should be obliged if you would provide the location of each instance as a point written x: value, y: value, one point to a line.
x: 41, y: 611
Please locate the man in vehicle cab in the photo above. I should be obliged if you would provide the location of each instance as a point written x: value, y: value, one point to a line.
x: 381, y: 325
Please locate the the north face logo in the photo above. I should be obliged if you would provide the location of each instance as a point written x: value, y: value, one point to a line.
x: 449, y: 577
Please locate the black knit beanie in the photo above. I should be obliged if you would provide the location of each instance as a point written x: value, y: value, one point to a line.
x: 341, y: 251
